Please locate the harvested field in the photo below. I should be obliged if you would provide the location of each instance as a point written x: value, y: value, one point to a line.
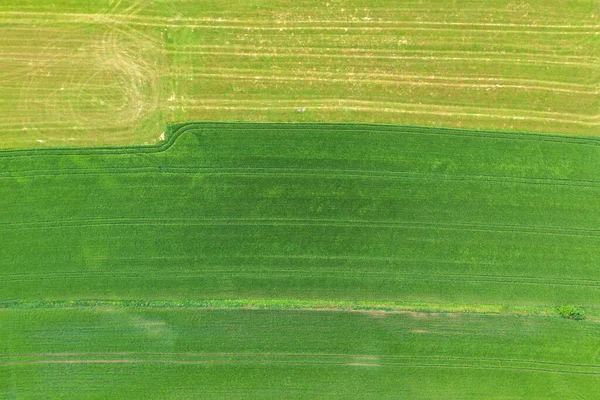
x: 115, y: 72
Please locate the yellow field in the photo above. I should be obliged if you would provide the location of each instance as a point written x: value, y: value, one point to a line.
x: 118, y: 71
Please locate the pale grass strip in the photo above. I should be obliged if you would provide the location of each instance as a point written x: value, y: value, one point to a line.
x: 392, y: 110
x: 396, y: 51
x: 339, y: 101
x: 382, y: 57
x: 364, y: 20
x: 114, y: 19
x: 35, y: 50
x: 387, y: 81
x: 431, y: 77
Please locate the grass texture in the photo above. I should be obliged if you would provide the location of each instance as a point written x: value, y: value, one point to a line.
x: 109, y: 352
x: 346, y: 212
x: 248, y: 260
x: 116, y: 71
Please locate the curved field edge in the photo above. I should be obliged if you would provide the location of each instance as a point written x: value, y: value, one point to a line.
x: 174, y: 131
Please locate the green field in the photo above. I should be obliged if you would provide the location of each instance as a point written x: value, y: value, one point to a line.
x: 241, y: 354
x: 302, y: 260
x: 77, y: 72
x: 376, y: 199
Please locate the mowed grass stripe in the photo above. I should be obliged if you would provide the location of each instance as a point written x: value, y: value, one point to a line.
x: 387, y: 81
x: 500, y: 59
x: 249, y: 24
x: 91, y: 17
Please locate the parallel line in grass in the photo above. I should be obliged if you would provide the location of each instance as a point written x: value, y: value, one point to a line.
x: 400, y: 53
x: 349, y: 79
x: 348, y: 101
x: 425, y: 76
x: 21, y: 45
x: 366, y: 357
x: 299, y: 54
x: 301, y: 172
x: 494, y: 228
x: 96, y: 19
x: 263, y: 22
x: 32, y: 46
x: 313, y: 257
x: 454, y: 109
x: 264, y: 272
x: 99, y: 20
x: 361, y: 363
x: 502, y: 58
x: 346, y: 105
x: 393, y: 110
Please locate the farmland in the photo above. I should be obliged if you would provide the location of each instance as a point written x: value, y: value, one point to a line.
x: 267, y: 199
x: 256, y: 260
x: 309, y: 211
x: 192, y: 353
x: 115, y: 72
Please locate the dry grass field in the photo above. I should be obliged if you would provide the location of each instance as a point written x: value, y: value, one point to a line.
x: 115, y: 72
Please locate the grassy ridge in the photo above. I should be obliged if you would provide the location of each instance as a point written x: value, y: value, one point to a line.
x: 114, y: 72
x: 348, y: 212
x: 178, y: 353
x: 313, y: 304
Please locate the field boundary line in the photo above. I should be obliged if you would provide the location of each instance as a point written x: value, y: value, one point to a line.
x: 175, y: 130
x: 312, y: 305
